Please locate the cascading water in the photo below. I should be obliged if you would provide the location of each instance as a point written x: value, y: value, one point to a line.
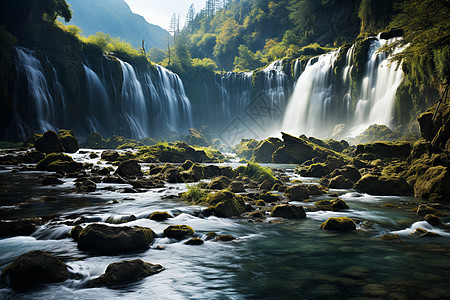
x: 316, y: 107
x: 377, y: 97
x: 310, y: 106
x: 140, y: 104
x: 42, y: 106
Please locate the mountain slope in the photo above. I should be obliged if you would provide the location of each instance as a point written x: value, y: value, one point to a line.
x: 116, y: 18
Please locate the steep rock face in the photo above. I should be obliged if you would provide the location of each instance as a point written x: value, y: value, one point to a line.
x: 434, y: 184
x: 435, y: 124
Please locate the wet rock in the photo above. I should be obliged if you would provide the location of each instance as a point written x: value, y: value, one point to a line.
x: 265, y: 185
x: 340, y: 182
x: 265, y: 149
x: 268, y: 197
x: 195, y: 172
x: 237, y: 187
x: 297, y: 192
x: 120, y: 219
x: 126, y: 271
x: 336, y: 204
x: 225, y: 204
x: 32, y: 268
x: 172, y: 175
x: 420, y: 232
x: 86, y: 186
x: 159, y: 216
x: 391, y: 238
x: 384, y: 149
x: 54, y: 162
x: 288, y: 211
x: 110, y: 155
x: 227, y: 172
x: 382, y: 185
x: 339, y: 224
x: 211, y: 171
x: 434, y: 185
x: 50, y: 180
x: 316, y: 190
x: 195, y: 241
x: 224, y: 238
x: 95, y: 141
x: 210, y: 236
x: 187, y: 165
x: 19, y: 227
x: 433, y: 220
x: 112, y: 239
x: 178, y: 232
x: 114, y: 179
x: 75, y: 232
x: 68, y: 140
x: 256, y: 215
x: 49, y: 143
x: 424, y: 210
x: 219, y: 183
x: 129, y: 168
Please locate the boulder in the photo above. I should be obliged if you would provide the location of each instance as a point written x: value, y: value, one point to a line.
x: 178, y: 232
x: 32, y: 268
x: 385, y: 149
x: 106, y: 239
x: 172, y: 175
x: 219, y: 183
x: 187, y: 164
x: 86, y: 186
x: 349, y: 172
x: 19, y: 227
x: 281, y: 156
x: 297, y: 192
x: 129, y: 168
x: 336, y: 204
x: 95, y: 141
x: 110, y: 155
x: 236, y: 187
x: 126, y: 271
x: 316, y: 190
x: 288, y: 211
x: 433, y: 220
x: 54, y: 162
x: 49, y: 143
x: 383, y: 185
x: 159, y: 216
x: 68, y: 140
x: 225, y: 204
x: 268, y: 197
x: 224, y: 238
x: 195, y: 241
x: 434, y: 185
x: 339, y: 224
x: 340, y: 182
x: 265, y: 149
x: 424, y: 210
x: 265, y: 185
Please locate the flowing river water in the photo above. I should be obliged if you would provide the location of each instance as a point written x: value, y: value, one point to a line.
x: 272, y: 259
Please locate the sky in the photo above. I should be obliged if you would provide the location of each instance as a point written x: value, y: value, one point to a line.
x: 159, y: 12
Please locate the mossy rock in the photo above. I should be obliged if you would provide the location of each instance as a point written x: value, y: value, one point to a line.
x: 32, y: 268
x: 58, y: 162
x: 245, y: 148
x: 340, y: 182
x: 225, y: 204
x: 391, y: 238
x: 383, y: 185
x: 224, y: 238
x: 265, y: 149
x: 110, y: 155
x: 106, y: 239
x: 68, y: 140
x: 288, y: 211
x: 236, y: 187
x: 75, y: 232
x: 434, y: 184
x: 126, y: 271
x: 49, y: 143
x: 159, y: 216
x: 424, y: 210
x: 268, y: 197
x: 129, y: 168
x: 297, y: 192
x: 196, y: 137
x: 316, y: 190
x: 95, y: 141
x: 339, y: 224
x: 335, y: 204
x: 385, y: 149
x: 256, y: 215
x: 178, y: 232
x: 195, y: 241
x: 219, y: 183
x: 433, y: 220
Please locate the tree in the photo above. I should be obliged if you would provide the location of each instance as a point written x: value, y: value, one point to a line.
x: 426, y: 29
x: 190, y: 17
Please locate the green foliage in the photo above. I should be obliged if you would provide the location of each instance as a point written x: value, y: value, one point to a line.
x: 194, y: 194
x: 426, y: 29
x: 257, y: 172
x: 156, y: 55
x: 205, y: 64
x: 109, y: 44
x: 247, y: 60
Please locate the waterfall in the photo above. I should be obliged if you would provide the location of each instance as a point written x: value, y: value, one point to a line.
x: 379, y: 86
x: 98, y: 101
x: 316, y: 106
x: 38, y: 110
x: 235, y: 92
x: 175, y: 108
x: 309, y: 109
